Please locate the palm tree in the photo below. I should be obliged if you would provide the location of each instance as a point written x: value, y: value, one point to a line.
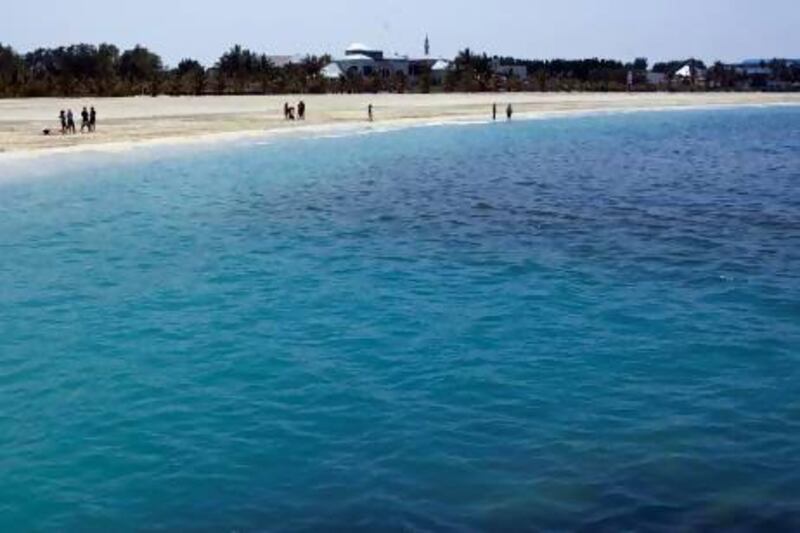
x: 11, y: 71
x: 191, y: 77
x: 142, y: 69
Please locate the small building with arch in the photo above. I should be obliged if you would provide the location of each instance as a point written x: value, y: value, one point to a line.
x: 361, y: 60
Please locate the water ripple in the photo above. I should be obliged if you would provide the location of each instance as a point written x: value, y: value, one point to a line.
x: 571, y: 324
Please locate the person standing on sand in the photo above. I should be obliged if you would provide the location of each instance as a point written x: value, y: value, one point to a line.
x: 494, y: 111
x: 70, y: 122
x: 301, y: 110
x: 85, y: 119
x: 286, y: 111
x: 92, y: 119
x: 63, y: 118
x: 509, y: 111
x: 369, y: 112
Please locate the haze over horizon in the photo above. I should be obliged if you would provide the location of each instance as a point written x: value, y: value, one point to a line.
x: 727, y: 30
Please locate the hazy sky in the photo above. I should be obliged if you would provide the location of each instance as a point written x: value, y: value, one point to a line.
x: 624, y: 29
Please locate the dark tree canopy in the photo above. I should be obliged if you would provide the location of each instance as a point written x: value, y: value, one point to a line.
x: 104, y: 70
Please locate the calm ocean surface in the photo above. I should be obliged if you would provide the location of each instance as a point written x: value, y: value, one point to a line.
x: 561, y: 324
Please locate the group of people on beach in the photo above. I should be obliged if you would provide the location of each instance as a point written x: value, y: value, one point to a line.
x: 288, y: 111
x: 509, y: 111
x: 89, y: 117
x: 88, y: 121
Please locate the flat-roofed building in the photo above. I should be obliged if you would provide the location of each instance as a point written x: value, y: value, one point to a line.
x: 363, y: 60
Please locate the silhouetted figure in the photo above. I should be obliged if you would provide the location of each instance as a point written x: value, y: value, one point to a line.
x: 494, y: 111
x: 301, y: 110
x: 369, y: 112
x: 509, y: 111
x: 92, y: 119
x: 84, y: 119
x: 70, y: 122
x: 286, y: 111
x: 63, y: 118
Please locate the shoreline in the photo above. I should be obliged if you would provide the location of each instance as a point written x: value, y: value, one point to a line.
x: 558, y: 108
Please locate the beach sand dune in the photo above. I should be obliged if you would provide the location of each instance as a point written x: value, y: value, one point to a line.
x: 126, y: 121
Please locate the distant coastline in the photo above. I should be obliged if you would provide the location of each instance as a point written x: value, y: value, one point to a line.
x: 88, y: 70
x: 125, y: 123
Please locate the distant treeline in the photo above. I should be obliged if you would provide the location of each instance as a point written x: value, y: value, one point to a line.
x: 476, y: 72
x: 611, y: 75
x: 105, y: 70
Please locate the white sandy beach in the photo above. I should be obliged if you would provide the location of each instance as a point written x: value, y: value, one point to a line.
x: 124, y: 122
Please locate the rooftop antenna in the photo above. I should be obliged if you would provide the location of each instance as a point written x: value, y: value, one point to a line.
x: 387, y: 34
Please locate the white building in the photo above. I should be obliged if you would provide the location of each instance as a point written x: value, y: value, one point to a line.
x: 690, y: 73
x: 363, y: 60
x: 439, y: 70
x: 684, y: 72
x: 332, y: 71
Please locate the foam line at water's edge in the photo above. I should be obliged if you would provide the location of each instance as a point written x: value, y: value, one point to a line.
x: 323, y: 131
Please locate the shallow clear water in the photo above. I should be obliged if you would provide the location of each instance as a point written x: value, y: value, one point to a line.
x: 573, y: 323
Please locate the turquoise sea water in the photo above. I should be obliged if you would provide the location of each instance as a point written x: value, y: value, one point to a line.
x: 585, y: 323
